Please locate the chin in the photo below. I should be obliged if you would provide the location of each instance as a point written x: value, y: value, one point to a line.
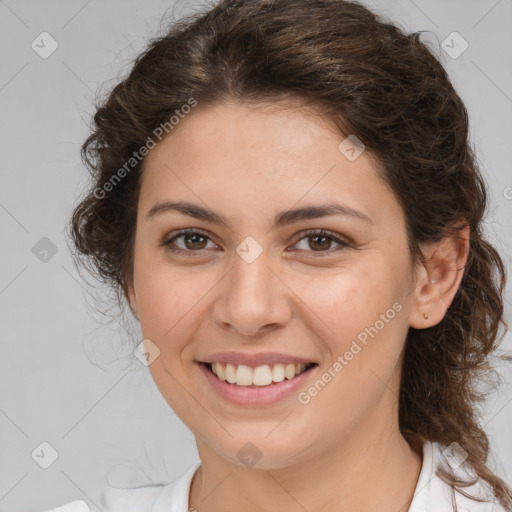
x: 260, y: 452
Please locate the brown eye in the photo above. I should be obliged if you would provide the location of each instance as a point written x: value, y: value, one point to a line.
x: 187, y: 241
x: 321, y: 242
x: 194, y: 241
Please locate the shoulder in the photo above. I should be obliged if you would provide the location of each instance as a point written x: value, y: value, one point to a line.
x: 156, y: 498
x: 116, y: 500
x: 73, y: 506
x: 434, y: 494
x: 119, y: 500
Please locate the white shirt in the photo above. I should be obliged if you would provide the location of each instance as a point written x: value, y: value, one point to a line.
x: 431, y: 494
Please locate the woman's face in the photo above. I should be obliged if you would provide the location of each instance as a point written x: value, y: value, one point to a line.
x: 253, y: 280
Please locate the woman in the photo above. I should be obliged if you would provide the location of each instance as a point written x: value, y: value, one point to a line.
x: 286, y: 197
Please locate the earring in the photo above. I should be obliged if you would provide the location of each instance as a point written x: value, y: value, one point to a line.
x: 425, y: 316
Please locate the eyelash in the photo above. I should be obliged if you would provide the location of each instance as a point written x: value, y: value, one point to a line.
x: 167, y: 243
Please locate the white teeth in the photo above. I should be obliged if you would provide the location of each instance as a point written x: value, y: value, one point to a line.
x: 221, y: 372
x: 243, y: 375
x: 289, y: 371
x: 264, y: 375
x: 230, y: 373
x: 278, y: 373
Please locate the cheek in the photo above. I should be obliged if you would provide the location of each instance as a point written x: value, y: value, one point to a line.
x: 167, y: 298
x: 349, y: 299
x: 361, y: 320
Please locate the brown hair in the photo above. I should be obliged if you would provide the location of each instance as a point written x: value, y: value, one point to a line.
x: 374, y: 81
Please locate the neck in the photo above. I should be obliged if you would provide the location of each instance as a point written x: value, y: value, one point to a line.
x: 375, y: 470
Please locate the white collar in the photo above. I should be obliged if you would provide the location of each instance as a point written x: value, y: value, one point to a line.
x: 176, y: 494
x: 431, y: 493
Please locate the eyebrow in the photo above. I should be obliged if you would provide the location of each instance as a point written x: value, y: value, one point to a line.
x: 283, y: 218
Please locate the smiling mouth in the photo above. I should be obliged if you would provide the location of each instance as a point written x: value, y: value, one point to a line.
x: 264, y: 375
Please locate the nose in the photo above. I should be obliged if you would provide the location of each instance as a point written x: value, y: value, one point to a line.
x: 252, y: 299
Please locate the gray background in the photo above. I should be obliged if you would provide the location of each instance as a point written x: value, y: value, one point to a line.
x: 66, y: 376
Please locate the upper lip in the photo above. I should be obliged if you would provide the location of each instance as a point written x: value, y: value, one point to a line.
x: 258, y: 359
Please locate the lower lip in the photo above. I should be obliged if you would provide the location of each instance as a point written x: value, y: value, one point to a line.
x: 255, y: 395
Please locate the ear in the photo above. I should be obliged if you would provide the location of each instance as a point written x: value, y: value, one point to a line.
x: 438, y: 280
x: 131, y: 297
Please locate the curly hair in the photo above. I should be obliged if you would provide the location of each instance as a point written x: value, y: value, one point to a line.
x: 373, y: 80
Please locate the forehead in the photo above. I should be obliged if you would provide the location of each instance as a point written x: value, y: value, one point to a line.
x: 261, y: 156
